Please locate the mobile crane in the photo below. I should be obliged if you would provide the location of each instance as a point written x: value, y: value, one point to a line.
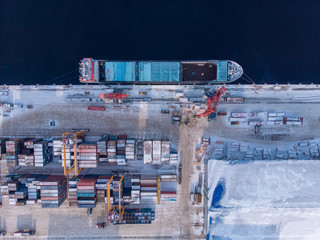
x: 213, y: 100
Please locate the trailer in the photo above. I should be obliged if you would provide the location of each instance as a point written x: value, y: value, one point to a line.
x: 147, y: 152
x: 235, y: 119
x: 92, y: 108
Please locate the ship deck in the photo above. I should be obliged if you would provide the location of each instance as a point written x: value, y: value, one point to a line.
x: 203, y: 72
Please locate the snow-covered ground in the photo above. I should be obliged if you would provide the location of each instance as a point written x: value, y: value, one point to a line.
x: 264, y: 199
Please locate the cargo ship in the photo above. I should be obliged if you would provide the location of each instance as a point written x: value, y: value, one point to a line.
x: 159, y: 72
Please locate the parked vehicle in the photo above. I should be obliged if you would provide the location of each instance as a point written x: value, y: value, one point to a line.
x: 165, y: 111
x: 235, y: 122
x: 89, y: 211
x: 25, y: 232
x: 101, y: 225
x: 222, y: 113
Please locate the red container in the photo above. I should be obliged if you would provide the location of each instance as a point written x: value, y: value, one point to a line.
x: 97, y: 108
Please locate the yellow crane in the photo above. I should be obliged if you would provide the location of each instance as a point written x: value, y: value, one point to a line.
x: 173, y: 107
x: 120, y: 196
x: 108, y: 192
x: 70, y: 135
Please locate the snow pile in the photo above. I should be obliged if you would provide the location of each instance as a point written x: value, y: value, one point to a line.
x: 264, y: 199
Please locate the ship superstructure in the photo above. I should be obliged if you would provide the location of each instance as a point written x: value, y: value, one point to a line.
x: 159, y: 72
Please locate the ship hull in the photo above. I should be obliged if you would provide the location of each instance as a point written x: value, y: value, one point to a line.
x: 159, y: 72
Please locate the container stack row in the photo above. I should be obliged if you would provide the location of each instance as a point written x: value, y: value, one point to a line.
x: 42, y: 153
x: 158, y: 152
x: 72, y: 192
x: 138, y: 216
x: 88, y: 155
x: 121, y: 150
x: 53, y: 191
x: 112, y: 152
x: 116, y: 187
x: 148, y: 188
x: 2, y: 146
x: 135, y: 189
x: 130, y: 146
x: 13, y: 147
x: 33, y: 192
x: 101, y: 187
x: 86, y: 191
x: 168, y: 187
x: 57, y: 149
x: 102, y: 150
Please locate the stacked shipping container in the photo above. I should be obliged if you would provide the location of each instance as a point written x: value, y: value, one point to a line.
x: 135, y: 189
x: 86, y: 192
x: 42, y: 153
x: 53, y: 191
x: 72, y: 192
x: 102, y: 150
x: 112, y: 152
x: 88, y: 155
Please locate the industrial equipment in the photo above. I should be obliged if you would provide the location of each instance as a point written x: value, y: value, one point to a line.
x: 213, y: 100
x: 70, y: 138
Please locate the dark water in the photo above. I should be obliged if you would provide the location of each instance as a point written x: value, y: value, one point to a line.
x: 274, y: 41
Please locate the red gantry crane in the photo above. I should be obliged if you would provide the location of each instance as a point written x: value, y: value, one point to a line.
x: 213, y: 100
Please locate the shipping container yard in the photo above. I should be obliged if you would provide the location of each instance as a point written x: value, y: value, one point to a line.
x: 155, y: 161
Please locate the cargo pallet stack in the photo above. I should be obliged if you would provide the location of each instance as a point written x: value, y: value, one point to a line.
x: 112, y: 151
x: 148, y: 189
x: 121, y: 150
x: 135, y: 189
x: 42, y: 153
x: 53, y: 191
x: 130, y: 146
x: 102, y: 150
x: 101, y: 186
x: 13, y: 147
x: 72, y: 192
x: 86, y: 192
x: 165, y: 151
x: 168, y: 187
x: 147, y: 152
x: 13, y: 186
x: 156, y: 152
x: 88, y: 157
x: 57, y: 150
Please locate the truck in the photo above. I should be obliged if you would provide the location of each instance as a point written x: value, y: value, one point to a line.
x: 254, y: 123
x: 238, y: 114
x: 237, y: 119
